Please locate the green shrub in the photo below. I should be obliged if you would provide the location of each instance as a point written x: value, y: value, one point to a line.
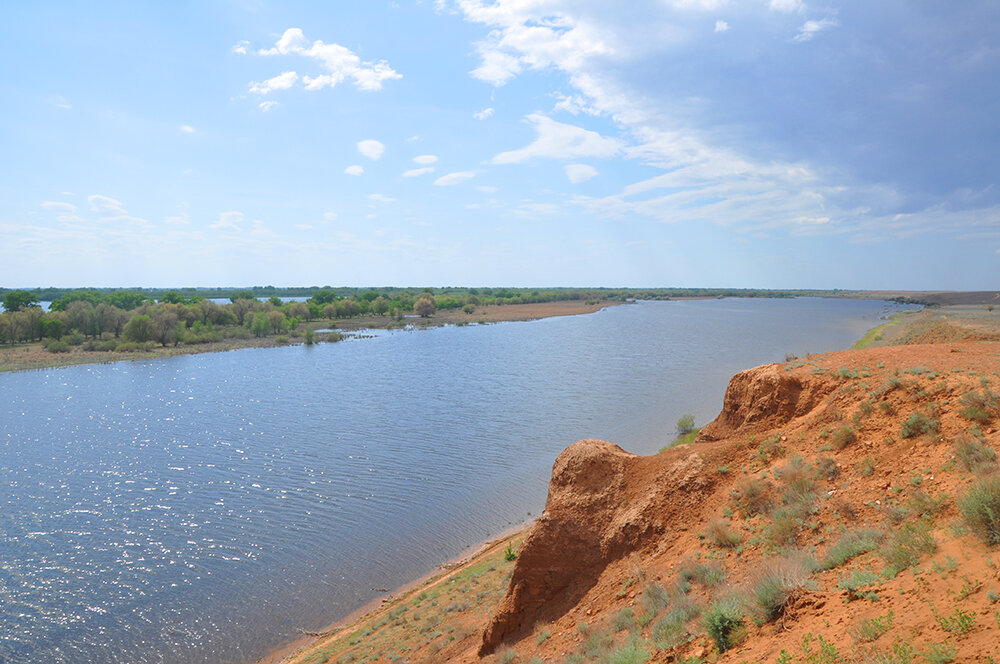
x: 654, y: 598
x: 980, y: 508
x: 906, y: 547
x: 685, y: 424
x: 854, y: 583
x: 974, y: 456
x: 724, y: 623
x: 826, y: 468
x: 509, y: 554
x: 842, y: 437
x: 959, y: 623
x: 672, y: 628
x: 630, y: 653
x: 774, y: 586
x: 870, y: 629
x: 917, y: 424
x: 56, y: 346
x: 940, y: 653
x: 708, y: 575
x: 851, y: 544
x: 625, y: 619
x: 783, y: 529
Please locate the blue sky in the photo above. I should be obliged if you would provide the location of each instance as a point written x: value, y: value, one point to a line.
x: 759, y: 143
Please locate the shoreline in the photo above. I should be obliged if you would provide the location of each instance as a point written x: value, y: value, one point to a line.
x: 290, y: 652
x: 31, y: 357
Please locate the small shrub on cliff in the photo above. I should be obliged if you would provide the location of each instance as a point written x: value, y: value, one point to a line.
x: 719, y: 533
x: 973, y: 456
x: 918, y: 423
x: 798, y: 480
x: 851, y: 544
x: 979, y: 406
x: 770, y: 449
x: 981, y: 510
x: 685, y: 424
x: 509, y: 554
x: 752, y: 496
x: 724, y: 623
x: 633, y: 652
x: 842, y: 437
x: 776, y: 584
x: 906, y: 547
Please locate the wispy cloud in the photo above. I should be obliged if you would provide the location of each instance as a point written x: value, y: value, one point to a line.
x: 578, y: 173
x: 556, y: 140
x: 415, y: 172
x: 282, y: 81
x: 187, y: 129
x: 483, y: 114
x: 721, y: 26
x: 425, y: 159
x: 810, y: 29
x: 228, y: 220
x: 454, y: 178
x: 356, y: 169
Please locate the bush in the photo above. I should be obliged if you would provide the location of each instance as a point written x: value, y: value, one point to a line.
x: 773, y: 587
x: 625, y: 619
x: 843, y: 437
x: 685, y: 424
x: 56, y: 346
x: 783, y: 529
x: 718, y: 533
x: 630, y: 653
x: 981, y: 510
x: 973, y: 456
x: 724, y: 623
x: 851, y: 544
x: 872, y: 628
x: 918, y: 423
x: 753, y: 496
x: 906, y: 547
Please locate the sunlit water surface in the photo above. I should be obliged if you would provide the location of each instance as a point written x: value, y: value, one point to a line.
x: 201, y: 508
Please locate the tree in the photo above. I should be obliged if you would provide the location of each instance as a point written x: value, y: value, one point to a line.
x: 16, y: 300
x: 139, y: 328
x: 299, y: 310
x: 165, y: 326
x: 245, y: 294
x: 380, y: 306
x: 685, y: 424
x: 241, y: 308
x: 260, y: 325
x: 424, y: 307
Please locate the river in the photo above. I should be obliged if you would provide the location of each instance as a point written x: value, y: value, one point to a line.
x: 201, y: 508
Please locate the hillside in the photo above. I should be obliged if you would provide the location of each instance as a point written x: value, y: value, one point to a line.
x: 819, y: 518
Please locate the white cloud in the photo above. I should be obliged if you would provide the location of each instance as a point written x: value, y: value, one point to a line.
x: 721, y: 26
x: 330, y: 216
x: 578, y: 173
x: 371, y: 149
x: 231, y: 219
x: 267, y: 105
x: 59, y: 206
x: 62, y: 103
x: 425, y: 159
x: 187, y: 129
x: 105, y: 205
x: 523, y: 41
x: 414, y: 172
x: 483, y: 114
x: 354, y: 170
x: 810, y: 29
x: 182, y: 219
x: 282, y: 81
x: 380, y: 198
x: 241, y: 47
x: 787, y: 5
x: 340, y: 63
x: 454, y: 178
x: 556, y: 140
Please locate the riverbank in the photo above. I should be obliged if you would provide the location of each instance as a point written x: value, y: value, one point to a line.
x: 23, y: 357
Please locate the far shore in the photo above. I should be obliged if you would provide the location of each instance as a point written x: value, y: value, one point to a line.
x: 24, y: 357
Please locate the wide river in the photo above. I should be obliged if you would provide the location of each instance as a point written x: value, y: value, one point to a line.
x: 201, y: 508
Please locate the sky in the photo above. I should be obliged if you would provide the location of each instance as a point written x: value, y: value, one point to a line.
x: 701, y: 143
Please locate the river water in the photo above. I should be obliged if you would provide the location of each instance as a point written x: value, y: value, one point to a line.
x: 201, y: 508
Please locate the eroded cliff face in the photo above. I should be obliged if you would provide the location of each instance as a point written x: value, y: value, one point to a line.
x: 603, y: 504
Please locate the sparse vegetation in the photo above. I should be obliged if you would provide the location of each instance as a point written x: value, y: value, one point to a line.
x: 850, y: 545
x: 917, y: 424
x: 720, y: 534
x: 842, y: 437
x: 907, y: 547
x: 980, y: 508
x: 723, y: 621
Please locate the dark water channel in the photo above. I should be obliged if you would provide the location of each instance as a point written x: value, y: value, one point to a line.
x: 201, y: 508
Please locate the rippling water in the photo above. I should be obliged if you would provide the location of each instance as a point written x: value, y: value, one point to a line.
x: 201, y: 508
